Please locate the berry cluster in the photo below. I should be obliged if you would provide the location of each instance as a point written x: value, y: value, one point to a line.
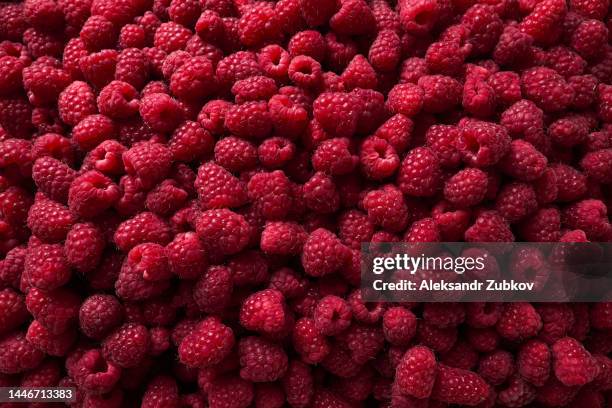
x: 185, y: 185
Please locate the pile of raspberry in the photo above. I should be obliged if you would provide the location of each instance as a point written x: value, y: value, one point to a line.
x: 185, y: 186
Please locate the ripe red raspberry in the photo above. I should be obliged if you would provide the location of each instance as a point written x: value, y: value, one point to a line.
x: 440, y: 93
x: 386, y: 207
x: 98, y: 33
x: 166, y: 198
x: 600, y: 315
x: 416, y: 372
x: 223, y: 230
x: 466, y: 188
x: 484, y: 25
x: 99, y: 68
x: 161, y: 112
x: 542, y: 226
x: 237, y: 66
x: 149, y: 162
x: 41, y: 43
x: 184, y: 12
x: 264, y: 311
x: 11, y: 74
x: 126, y: 346
x: 14, y: 312
x: 132, y: 36
x: 519, y: 321
x: 458, y: 386
x: 49, y: 220
x: 93, y: 130
x: 84, y: 247
x: 18, y: 355
x: 144, y: 227
x: 51, y: 344
x: 56, y: 310
x: 321, y: 194
x: 53, y: 178
x: 46, y: 266
x: 305, y: 72
x: 208, y: 344
x: 258, y: 125
x: 534, y: 362
x: 99, y: 315
x: 282, y: 238
x: 589, y: 215
x: 323, y: 253
x: 190, y: 141
x: 547, y: 89
x: 589, y: 38
x: 544, y: 22
x: 261, y: 360
x: 117, y: 100
x: 259, y: 24
x: 230, y: 392
x: 235, y: 154
x: 76, y: 102
x: 513, y: 47
x: 213, y: 290
x: 496, y: 367
x: 332, y: 315
x: 399, y: 325
x: 193, y: 80
x: 218, y: 188
x: 186, y: 256
x: 271, y: 193
x: 420, y: 173
x: 312, y: 346
x: 91, y: 194
x: 310, y: 43
x: 596, y: 165
x: 337, y: 113
x: 254, y: 88
x: 571, y: 183
x: 406, y: 99
x: 572, y: 364
x: 489, y: 227
x: 170, y: 36
x: 515, y: 201
x: 359, y: 74
x: 334, y: 157
x: 596, y: 9
x: 482, y: 144
x: 44, y: 81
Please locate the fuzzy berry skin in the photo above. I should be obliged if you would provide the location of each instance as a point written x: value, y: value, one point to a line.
x: 420, y: 174
x: 323, y: 253
x: 264, y: 311
x: 466, y: 188
x: 144, y: 227
x: 218, y: 188
x: 416, y: 372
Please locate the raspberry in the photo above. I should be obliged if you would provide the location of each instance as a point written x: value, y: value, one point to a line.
x: 440, y: 93
x: 91, y: 194
x: 519, y: 321
x: 416, y: 372
x: 144, y: 227
x: 399, y: 325
x: 264, y: 311
x: 516, y: 201
x: 14, y: 312
x: 56, y: 310
x: 170, y: 36
x: 337, y: 113
x: 99, y: 315
x: 572, y: 364
x: 99, y: 68
x: 513, y: 47
x: 482, y: 144
x: 184, y: 12
x: 254, y: 88
x: 132, y: 36
x: 76, y: 102
x: 208, y: 344
x: 547, y: 89
x: 323, y: 253
x: 305, y: 72
x: 11, y: 74
x: 18, y: 355
x: 406, y: 99
x: 49, y: 220
x: 282, y: 238
x: 271, y: 193
x: 588, y: 38
x: 590, y: 216
x: 51, y: 344
x: 230, y: 392
x: 543, y: 23
x: 309, y: 342
x: 98, y: 33
x: 320, y: 194
x: 217, y: 188
x: 310, y: 43
x: 600, y: 315
x: 466, y: 188
x: 161, y: 112
x: 117, y: 100
x: 258, y: 125
x: 458, y: 386
x: 489, y: 227
x: 193, y: 80
x: 571, y: 183
x: 223, y: 230
x: 386, y: 207
x: 84, y: 247
x: 589, y: 9
x: 420, y: 173
x: 261, y: 360
x: 496, y: 367
x: 237, y: 66
x: 126, y: 346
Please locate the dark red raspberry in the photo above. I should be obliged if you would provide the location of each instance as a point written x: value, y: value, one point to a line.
x: 170, y: 36
x: 193, y: 80
x: 386, y: 207
x: 305, y: 72
x: 132, y: 36
x: 91, y: 194
x: 440, y: 93
x: 149, y: 162
x: 93, y: 130
x: 144, y: 227
x: 420, y: 173
x: 482, y: 144
x: 208, y: 344
x: 161, y: 112
x: 571, y: 183
x: 223, y: 230
x: 337, y: 113
x: 513, y: 47
x: 99, y: 68
x: 258, y: 125
x: 572, y: 364
x: 261, y: 360
x: 489, y: 227
x: 99, y: 315
x: 84, y: 247
x: 127, y: 345
x: 320, y: 194
x: 271, y: 193
x: 589, y: 215
x: 544, y: 22
x: 14, y: 312
x: 323, y: 253
x: 264, y: 311
x: 516, y: 201
x: 217, y: 188
x: 466, y: 188
x: 231, y: 392
x: 237, y: 66
x: 76, y: 102
x: 546, y: 88
x: 49, y: 220
x: 18, y: 355
x: 213, y: 290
